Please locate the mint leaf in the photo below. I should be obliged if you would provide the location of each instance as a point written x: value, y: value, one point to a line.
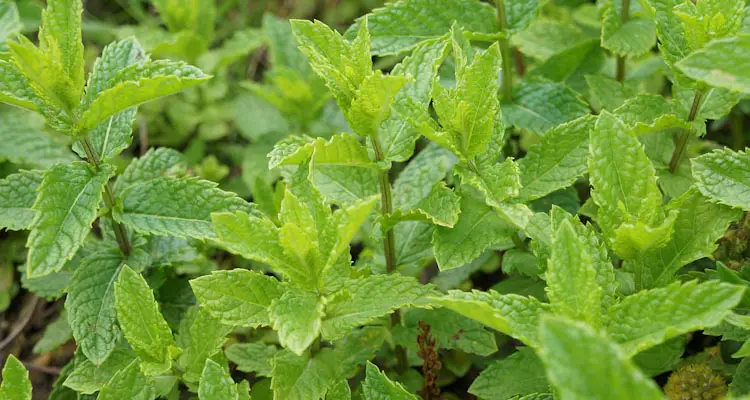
x: 297, y: 316
x: 296, y: 377
x: 66, y: 206
x: 55, y: 335
x: 137, y: 84
x: 722, y: 177
x: 155, y: 163
x: 461, y: 244
x: 11, y: 22
x: 216, y: 383
x: 16, y: 384
x: 451, y: 330
x: 15, y: 88
x: 176, y: 207
x: 719, y: 64
x: 206, y: 336
x: 91, y: 304
x: 60, y: 34
x: 17, y: 196
x: 543, y: 171
x: 377, y: 386
x: 648, y: 318
x: 497, y: 182
x: 141, y: 322
x: 366, y: 299
x: 572, y: 286
x: 24, y: 141
x: 633, y: 37
x: 237, y: 297
x: 372, y: 102
x: 540, y: 105
x: 519, y: 374
x: 252, y: 357
x: 398, y: 27
x: 87, y: 378
x: 128, y: 383
x: 545, y: 38
x: 510, y: 314
x: 582, y: 364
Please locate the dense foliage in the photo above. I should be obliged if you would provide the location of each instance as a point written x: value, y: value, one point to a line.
x: 530, y: 200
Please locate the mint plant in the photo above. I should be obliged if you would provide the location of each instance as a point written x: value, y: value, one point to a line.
x: 510, y: 199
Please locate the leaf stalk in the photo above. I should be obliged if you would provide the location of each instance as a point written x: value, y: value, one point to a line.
x: 624, y: 16
x: 505, y: 51
x: 685, y: 136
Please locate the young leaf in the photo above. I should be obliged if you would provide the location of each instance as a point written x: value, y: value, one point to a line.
x: 372, y: 102
x: 633, y: 37
x: 479, y: 227
x: 497, y: 182
x: 572, y: 287
x: 237, y: 297
x: 302, y: 378
x: 724, y: 177
x: 17, y: 196
x: 206, y: 337
x: 113, y: 135
x: 366, y: 299
x: 519, y: 374
x: 129, y: 383
x: 15, y: 88
x: 55, y: 335
x: 176, y: 207
x: 699, y: 224
x: 65, y: 207
x: 540, y: 105
x: 16, y: 384
x: 398, y: 27
x: 510, y: 314
x: 60, y: 34
x: 252, y: 357
x: 720, y: 63
x: 543, y: 171
x: 581, y: 364
x: 216, y: 383
x: 296, y: 316
x: 142, y: 324
x: 91, y: 304
x: 377, y: 386
x: 88, y: 378
x: 137, y: 84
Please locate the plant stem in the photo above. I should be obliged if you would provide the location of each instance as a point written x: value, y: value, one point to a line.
x: 109, y: 197
x: 685, y: 136
x: 505, y: 51
x: 624, y: 15
x: 736, y: 123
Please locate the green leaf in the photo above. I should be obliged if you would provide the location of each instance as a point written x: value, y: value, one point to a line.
x: 137, y: 84
x: 582, y: 364
x: 648, y: 318
x: 372, y: 102
x: 342, y: 169
x: 646, y: 113
x: 399, y: 26
x: 377, y: 386
x: 10, y: 22
x: 168, y: 206
x: 572, y: 287
x: 282, y: 46
x: 557, y: 160
x: 129, y: 383
x: 301, y: 378
x: 339, y: 391
x: 440, y: 207
x: 397, y: 135
x: 359, y: 346
x: 141, y: 322
x: 341, y: 64
x: 15, y: 88
x: 252, y: 357
x: 91, y: 304
x: 520, y: 13
x: 468, y: 112
x: 23, y: 140
x: 540, y: 105
x: 16, y: 384
x: 670, y: 31
x: 478, y: 228
x: 513, y: 315
x: 113, y: 135
x: 237, y: 297
x: 723, y: 177
x: 363, y: 300
x: 297, y: 316
x: 206, y: 337
x: 66, y: 206
x: 623, y: 177
x: 291, y: 151
x: 154, y: 164
x: 216, y: 383
x: 88, y: 378
x: 17, y: 196
x: 545, y: 38
x: 609, y: 93
x: 497, y: 182
x: 720, y: 63
x: 60, y: 34
x: 632, y: 38
x: 451, y: 330
x: 519, y: 374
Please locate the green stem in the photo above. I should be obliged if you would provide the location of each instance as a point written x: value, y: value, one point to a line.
x: 685, y: 136
x: 624, y: 16
x: 109, y: 198
x: 505, y: 51
x: 638, y: 278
